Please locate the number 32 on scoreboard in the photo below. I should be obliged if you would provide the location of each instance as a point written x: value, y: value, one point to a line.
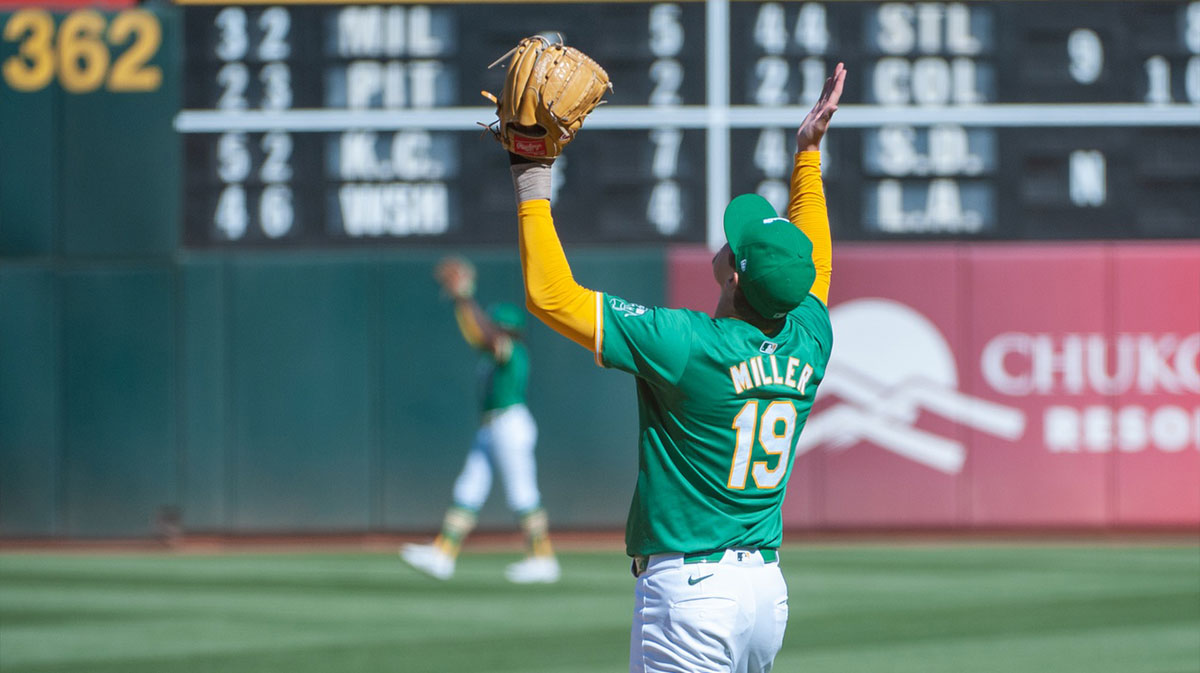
x: 80, y: 55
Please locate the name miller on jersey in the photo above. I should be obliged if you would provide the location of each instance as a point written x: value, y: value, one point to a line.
x: 752, y: 373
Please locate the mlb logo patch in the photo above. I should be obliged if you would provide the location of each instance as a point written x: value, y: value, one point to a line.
x: 768, y: 347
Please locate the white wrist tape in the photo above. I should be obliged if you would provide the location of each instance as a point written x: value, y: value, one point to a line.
x: 531, y: 181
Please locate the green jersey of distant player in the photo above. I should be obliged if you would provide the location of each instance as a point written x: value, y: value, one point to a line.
x: 504, y: 376
x: 721, y: 407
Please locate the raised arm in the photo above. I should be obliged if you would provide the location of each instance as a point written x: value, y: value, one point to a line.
x: 548, y: 91
x: 457, y: 278
x: 806, y: 205
x: 551, y: 292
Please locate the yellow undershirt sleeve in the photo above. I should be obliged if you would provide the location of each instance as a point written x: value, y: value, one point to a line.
x: 467, y: 325
x: 806, y: 209
x: 551, y: 292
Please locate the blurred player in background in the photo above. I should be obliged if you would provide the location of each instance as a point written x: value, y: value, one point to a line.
x: 721, y: 400
x: 504, y: 441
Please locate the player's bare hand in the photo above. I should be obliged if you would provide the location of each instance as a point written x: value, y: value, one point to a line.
x: 812, y: 129
x: 456, y: 276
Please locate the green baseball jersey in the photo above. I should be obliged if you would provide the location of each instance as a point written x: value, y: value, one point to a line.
x: 720, y: 406
x: 503, y: 380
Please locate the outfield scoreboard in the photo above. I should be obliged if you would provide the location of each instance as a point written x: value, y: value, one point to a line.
x: 312, y: 125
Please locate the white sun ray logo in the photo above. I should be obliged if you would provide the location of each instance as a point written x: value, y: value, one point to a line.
x: 890, y: 363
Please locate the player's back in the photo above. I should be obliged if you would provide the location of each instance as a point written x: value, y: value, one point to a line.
x: 720, y: 413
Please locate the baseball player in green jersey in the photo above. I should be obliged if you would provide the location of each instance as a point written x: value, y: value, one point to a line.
x: 504, y: 441
x: 722, y: 401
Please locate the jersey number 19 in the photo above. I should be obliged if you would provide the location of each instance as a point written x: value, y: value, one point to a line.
x: 775, y: 432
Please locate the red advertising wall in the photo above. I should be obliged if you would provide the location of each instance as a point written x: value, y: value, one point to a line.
x: 1000, y: 385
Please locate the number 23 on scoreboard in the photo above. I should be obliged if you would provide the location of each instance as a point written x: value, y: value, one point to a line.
x: 80, y: 55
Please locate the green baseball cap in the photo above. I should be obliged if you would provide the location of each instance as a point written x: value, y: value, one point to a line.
x: 507, y: 316
x: 772, y: 257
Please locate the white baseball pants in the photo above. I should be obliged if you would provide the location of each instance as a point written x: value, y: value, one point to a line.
x: 726, y: 617
x: 504, y: 443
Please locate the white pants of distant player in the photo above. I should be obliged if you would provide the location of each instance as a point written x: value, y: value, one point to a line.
x: 708, y: 617
x: 505, y: 440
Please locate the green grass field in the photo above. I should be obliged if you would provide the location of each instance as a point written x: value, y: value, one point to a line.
x: 925, y: 609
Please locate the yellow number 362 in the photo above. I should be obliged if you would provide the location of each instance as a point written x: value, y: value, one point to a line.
x: 80, y: 55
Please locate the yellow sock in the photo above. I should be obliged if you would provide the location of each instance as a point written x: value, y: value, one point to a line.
x: 536, y: 525
x: 458, y: 523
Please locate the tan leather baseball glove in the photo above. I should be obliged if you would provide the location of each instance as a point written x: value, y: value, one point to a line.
x: 549, y: 89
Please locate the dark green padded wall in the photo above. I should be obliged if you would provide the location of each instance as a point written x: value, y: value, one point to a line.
x: 299, y: 398
x: 118, y: 410
x: 202, y: 381
x: 29, y: 147
x: 270, y: 393
x: 30, y: 464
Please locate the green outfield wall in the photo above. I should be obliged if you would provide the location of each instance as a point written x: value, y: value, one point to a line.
x: 306, y: 393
